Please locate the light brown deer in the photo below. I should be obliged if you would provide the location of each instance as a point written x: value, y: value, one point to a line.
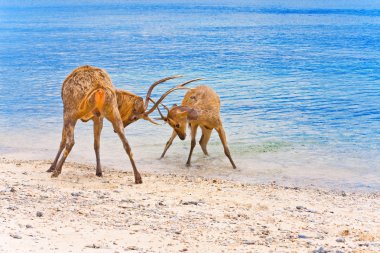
x: 200, y: 107
x: 88, y: 94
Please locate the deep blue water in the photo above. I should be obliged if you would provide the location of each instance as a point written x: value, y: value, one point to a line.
x: 299, y: 85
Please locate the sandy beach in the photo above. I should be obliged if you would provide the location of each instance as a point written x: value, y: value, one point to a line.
x: 79, y: 212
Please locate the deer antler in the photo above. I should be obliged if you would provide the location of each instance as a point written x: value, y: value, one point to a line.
x: 158, y: 108
x: 178, y: 87
x: 154, y: 85
x: 159, y: 111
x: 166, y: 108
x: 146, y: 117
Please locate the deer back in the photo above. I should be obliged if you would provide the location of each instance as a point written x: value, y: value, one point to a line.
x: 206, y: 103
x: 202, y: 98
x: 80, y: 83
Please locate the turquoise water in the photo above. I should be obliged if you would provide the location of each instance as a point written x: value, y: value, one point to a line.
x: 299, y: 85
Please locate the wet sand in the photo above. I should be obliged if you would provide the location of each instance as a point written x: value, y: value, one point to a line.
x: 79, y: 212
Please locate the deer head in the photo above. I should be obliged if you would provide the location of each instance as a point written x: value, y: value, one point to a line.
x: 178, y: 117
x: 132, y: 107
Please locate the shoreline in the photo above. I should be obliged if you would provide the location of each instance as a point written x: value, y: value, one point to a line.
x: 79, y: 212
x: 207, y: 167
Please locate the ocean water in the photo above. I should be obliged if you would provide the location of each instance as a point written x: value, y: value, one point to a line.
x: 299, y: 84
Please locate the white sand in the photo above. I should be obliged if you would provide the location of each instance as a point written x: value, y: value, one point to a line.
x: 168, y: 213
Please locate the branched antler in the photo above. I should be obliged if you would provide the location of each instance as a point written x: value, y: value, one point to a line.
x: 178, y: 87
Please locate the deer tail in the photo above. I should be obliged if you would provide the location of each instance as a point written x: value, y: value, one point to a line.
x: 99, y: 99
x: 94, y: 100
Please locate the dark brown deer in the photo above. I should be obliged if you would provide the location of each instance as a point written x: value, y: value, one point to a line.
x: 88, y: 94
x: 200, y: 108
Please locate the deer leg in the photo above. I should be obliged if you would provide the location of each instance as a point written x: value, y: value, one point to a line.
x: 206, y: 134
x: 193, y: 134
x: 69, y: 145
x: 118, y: 128
x: 98, y: 126
x: 61, y: 147
x: 127, y: 148
x: 222, y: 136
x: 169, y: 143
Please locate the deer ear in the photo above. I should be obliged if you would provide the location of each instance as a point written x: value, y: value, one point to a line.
x: 139, y: 104
x: 140, y: 101
x: 192, y: 114
x: 183, y: 114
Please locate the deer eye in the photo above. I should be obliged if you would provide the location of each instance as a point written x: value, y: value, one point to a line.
x: 177, y: 125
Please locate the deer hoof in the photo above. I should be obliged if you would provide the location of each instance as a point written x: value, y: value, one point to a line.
x: 55, y: 174
x: 188, y: 164
x: 138, y: 181
x: 51, y: 169
x: 99, y: 174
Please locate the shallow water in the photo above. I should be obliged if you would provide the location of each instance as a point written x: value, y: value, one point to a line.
x: 300, y: 85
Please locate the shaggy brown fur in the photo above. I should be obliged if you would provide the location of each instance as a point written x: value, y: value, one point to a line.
x: 200, y: 107
x: 88, y: 94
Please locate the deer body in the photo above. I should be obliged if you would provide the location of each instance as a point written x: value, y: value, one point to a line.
x: 82, y: 85
x: 88, y: 94
x: 199, y: 108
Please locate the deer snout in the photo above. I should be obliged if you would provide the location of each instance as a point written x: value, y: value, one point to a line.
x: 182, y: 136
